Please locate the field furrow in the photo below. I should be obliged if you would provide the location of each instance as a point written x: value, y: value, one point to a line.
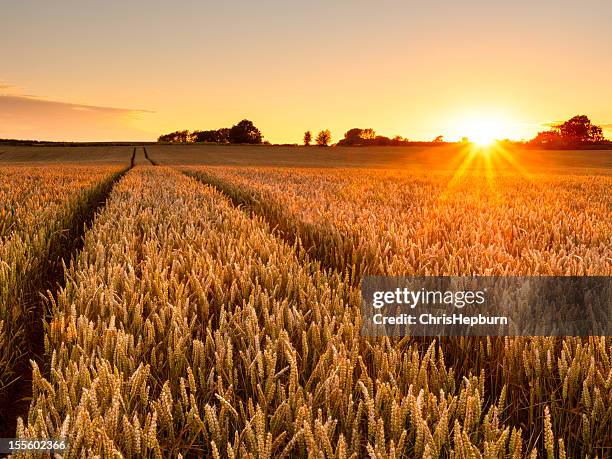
x: 414, y: 223
x: 172, y: 299
x: 42, y: 212
x: 187, y: 327
x: 394, y: 223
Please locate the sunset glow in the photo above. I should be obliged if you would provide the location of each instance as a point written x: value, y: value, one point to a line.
x: 306, y: 229
x: 79, y: 71
x: 484, y: 129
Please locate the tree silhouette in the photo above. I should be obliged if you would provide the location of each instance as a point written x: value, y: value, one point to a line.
x: 175, y: 137
x: 244, y: 132
x: 548, y: 138
x: 358, y: 136
x: 307, y: 138
x: 368, y: 134
x: 222, y: 135
x: 579, y: 129
x: 213, y: 136
x: 438, y: 139
x: 352, y: 137
x: 323, y: 138
x: 576, y: 131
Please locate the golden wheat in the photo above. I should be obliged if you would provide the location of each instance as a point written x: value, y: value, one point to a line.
x: 188, y: 327
x: 412, y: 223
x: 394, y: 222
x: 37, y: 205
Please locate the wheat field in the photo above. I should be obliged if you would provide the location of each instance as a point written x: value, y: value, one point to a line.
x: 37, y: 203
x: 214, y: 311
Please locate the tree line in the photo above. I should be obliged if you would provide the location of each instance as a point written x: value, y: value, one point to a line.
x: 357, y: 137
x: 242, y: 132
x: 576, y: 132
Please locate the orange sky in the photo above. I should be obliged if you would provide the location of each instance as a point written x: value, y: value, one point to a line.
x: 74, y: 70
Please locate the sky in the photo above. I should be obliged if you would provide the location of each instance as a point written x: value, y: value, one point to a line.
x: 117, y: 70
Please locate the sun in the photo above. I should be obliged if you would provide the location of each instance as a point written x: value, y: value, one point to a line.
x: 482, y: 138
x: 483, y: 130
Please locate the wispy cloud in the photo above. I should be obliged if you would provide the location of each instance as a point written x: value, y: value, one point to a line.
x: 25, y: 100
x: 23, y: 116
x: 7, y: 88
